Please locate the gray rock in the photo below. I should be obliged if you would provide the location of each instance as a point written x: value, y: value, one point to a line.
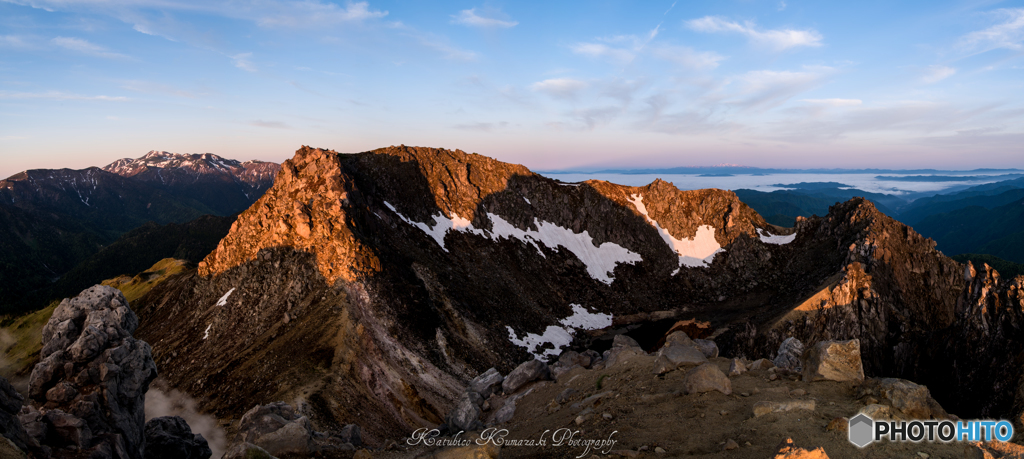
x: 565, y: 395
x: 624, y: 341
x: 681, y: 355
x: 92, y: 377
x: 559, y: 369
x: 508, y: 410
x: 834, y: 361
x: 524, y: 373
x: 278, y: 429
x: 486, y: 382
x: 707, y: 347
x: 464, y: 416
x: 247, y: 451
x: 762, y: 365
x: 908, y: 400
x: 476, y: 398
x: 736, y: 367
x: 678, y: 337
x: 706, y: 378
x: 789, y: 355
x: 594, y: 357
x: 352, y: 435
x: 170, y: 437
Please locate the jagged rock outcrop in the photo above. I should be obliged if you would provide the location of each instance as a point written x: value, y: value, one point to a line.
x: 170, y: 437
x: 91, y: 382
x: 985, y: 346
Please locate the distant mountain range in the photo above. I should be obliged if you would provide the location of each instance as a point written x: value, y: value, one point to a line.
x: 53, y: 219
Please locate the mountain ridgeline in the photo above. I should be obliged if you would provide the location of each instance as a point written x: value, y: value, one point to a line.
x: 52, y: 220
x: 373, y: 286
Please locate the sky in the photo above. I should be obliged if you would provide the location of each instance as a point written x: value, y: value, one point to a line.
x: 551, y: 85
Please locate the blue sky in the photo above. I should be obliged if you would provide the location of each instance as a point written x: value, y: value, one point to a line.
x: 546, y: 84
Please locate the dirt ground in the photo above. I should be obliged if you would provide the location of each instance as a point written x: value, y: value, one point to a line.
x: 649, y: 411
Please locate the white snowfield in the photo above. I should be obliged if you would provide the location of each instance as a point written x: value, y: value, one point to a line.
x: 206, y: 334
x: 559, y: 337
x: 696, y: 252
x: 778, y: 240
x: 223, y: 301
x: 600, y: 260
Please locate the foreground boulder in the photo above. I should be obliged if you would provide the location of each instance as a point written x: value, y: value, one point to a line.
x: 169, y: 437
x: 901, y: 399
x: 706, y: 378
x: 834, y: 361
x: 524, y: 373
x: 789, y: 355
x: 276, y: 429
x: 486, y: 382
x: 92, y: 379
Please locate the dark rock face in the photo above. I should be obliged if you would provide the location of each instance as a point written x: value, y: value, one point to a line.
x: 92, y: 379
x: 169, y: 437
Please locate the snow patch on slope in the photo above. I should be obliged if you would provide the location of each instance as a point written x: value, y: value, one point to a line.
x: 560, y: 337
x: 600, y: 260
x: 778, y: 240
x: 695, y: 252
x: 223, y: 301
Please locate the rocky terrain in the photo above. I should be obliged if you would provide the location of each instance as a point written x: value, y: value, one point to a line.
x: 373, y: 287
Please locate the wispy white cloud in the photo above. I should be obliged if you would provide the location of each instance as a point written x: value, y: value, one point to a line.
x: 151, y: 87
x: 619, y: 55
x: 623, y: 49
x: 312, y: 12
x: 481, y: 127
x: 442, y: 46
x: 85, y: 47
x: 243, y: 62
x: 1008, y: 33
x: 834, y: 102
x: 12, y: 41
x: 777, y: 39
x: 561, y: 88
x: 470, y: 18
x: 688, y: 57
x: 782, y: 6
x: 763, y: 89
x: 269, y: 124
x: 937, y: 73
x: 57, y: 95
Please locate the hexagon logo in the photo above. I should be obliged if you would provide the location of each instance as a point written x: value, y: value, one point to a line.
x: 860, y: 430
